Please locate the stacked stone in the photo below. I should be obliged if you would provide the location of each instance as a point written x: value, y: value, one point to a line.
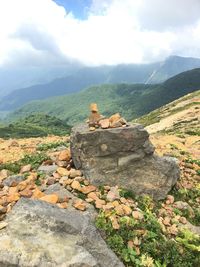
x: 123, y: 157
x: 96, y: 120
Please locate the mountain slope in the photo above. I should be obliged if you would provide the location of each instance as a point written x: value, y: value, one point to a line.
x: 89, y: 76
x: 131, y: 100
x: 181, y: 116
x: 34, y: 126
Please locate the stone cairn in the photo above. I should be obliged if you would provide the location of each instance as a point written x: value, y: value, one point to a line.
x: 96, y: 120
x: 109, y: 151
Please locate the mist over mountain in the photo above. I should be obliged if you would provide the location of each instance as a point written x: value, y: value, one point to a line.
x: 89, y: 76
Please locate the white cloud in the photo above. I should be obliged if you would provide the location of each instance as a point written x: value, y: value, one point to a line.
x: 39, y: 32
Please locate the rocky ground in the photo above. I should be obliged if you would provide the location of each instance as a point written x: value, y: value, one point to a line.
x: 141, y: 232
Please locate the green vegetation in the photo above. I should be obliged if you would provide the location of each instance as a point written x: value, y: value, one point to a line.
x: 34, y: 159
x: 34, y: 126
x: 131, y: 100
x: 143, y: 242
x: 48, y: 146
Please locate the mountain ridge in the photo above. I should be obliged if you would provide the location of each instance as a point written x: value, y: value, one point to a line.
x: 131, y: 100
x: 85, y: 77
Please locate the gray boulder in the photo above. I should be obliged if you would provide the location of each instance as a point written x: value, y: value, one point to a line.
x: 124, y: 157
x: 43, y: 235
x: 13, y: 180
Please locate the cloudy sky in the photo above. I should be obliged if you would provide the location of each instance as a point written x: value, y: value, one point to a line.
x: 94, y: 32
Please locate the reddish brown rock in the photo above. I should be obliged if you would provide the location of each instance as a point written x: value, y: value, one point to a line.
x: 88, y: 189
x: 26, y: 168
x: 64, y: 155
x: 104, y: 124
x: 76, y: 185
x: 79, y: 204
x: 52, y: 198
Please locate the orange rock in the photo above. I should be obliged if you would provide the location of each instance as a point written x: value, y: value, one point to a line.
x: 37, y: 194
x: 3, y: 209
x: 65, y: 155
x: 93, y: 107
x: 115, y: 203
x: 26, y: 168
x: 127, y: 210
x: 63, y: 205
x: 74, y: 173
x: 26, y: 193
x: 114, y: 222
x: 76, y: 185
x: 93, y: 196
x: 115, y: 117
x: 119, y: 210
x: 99, y: 203
x: 137, y: 215
x: 12, y: 190
x: 13, y: 197
x: 4, y: 174
x: 22, y: 185
x: 104, y: 124
x: 62, y: 171
x: 170, y: 199
x: 52, y: 198
x: 89, y: 200
x: 79, y: 204
x: 88, y: 189
x: 166, y: 221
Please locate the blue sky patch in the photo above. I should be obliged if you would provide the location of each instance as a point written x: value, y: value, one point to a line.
x: 79, y: 8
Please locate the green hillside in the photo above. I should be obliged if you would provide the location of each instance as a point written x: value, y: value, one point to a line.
x: 34, y: 126
x: 92, y: 76
x: 131, y: 100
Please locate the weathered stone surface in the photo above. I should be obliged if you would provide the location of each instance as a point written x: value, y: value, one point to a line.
x: 123, y: 157
x: 40, y: 234
x: 48, y: 169
x: 13, y: 180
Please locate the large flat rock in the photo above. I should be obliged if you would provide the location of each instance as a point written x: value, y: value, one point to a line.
x: 124, y: 157
x: 43, y: 235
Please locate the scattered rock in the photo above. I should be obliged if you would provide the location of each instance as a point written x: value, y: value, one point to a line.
x: 75, y: 173
x: 64, y: 155
x: 13, y: 180
x: 113, y: 194
x: 76, y: 185
x: 52, y: 235
x: 4, y: 174
x: 26, y: 168
x: 53, y: 198
x: 79, y: 204
x: 88, y: 189
x: 48, y: 169
x: 62, y: 171
x: 50, y: 181
x: 3, y: 210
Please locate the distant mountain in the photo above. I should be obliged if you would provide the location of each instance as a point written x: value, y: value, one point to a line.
x: 89, y: 76
x: 12, y: 78
x: 131, y: 100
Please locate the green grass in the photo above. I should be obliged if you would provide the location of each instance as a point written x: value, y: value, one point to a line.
x: 34, y: 159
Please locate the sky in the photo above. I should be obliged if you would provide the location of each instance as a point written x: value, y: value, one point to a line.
x: 96, y: 32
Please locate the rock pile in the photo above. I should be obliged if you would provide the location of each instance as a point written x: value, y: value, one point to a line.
x: 123, y: 157
x: 96, y: 120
